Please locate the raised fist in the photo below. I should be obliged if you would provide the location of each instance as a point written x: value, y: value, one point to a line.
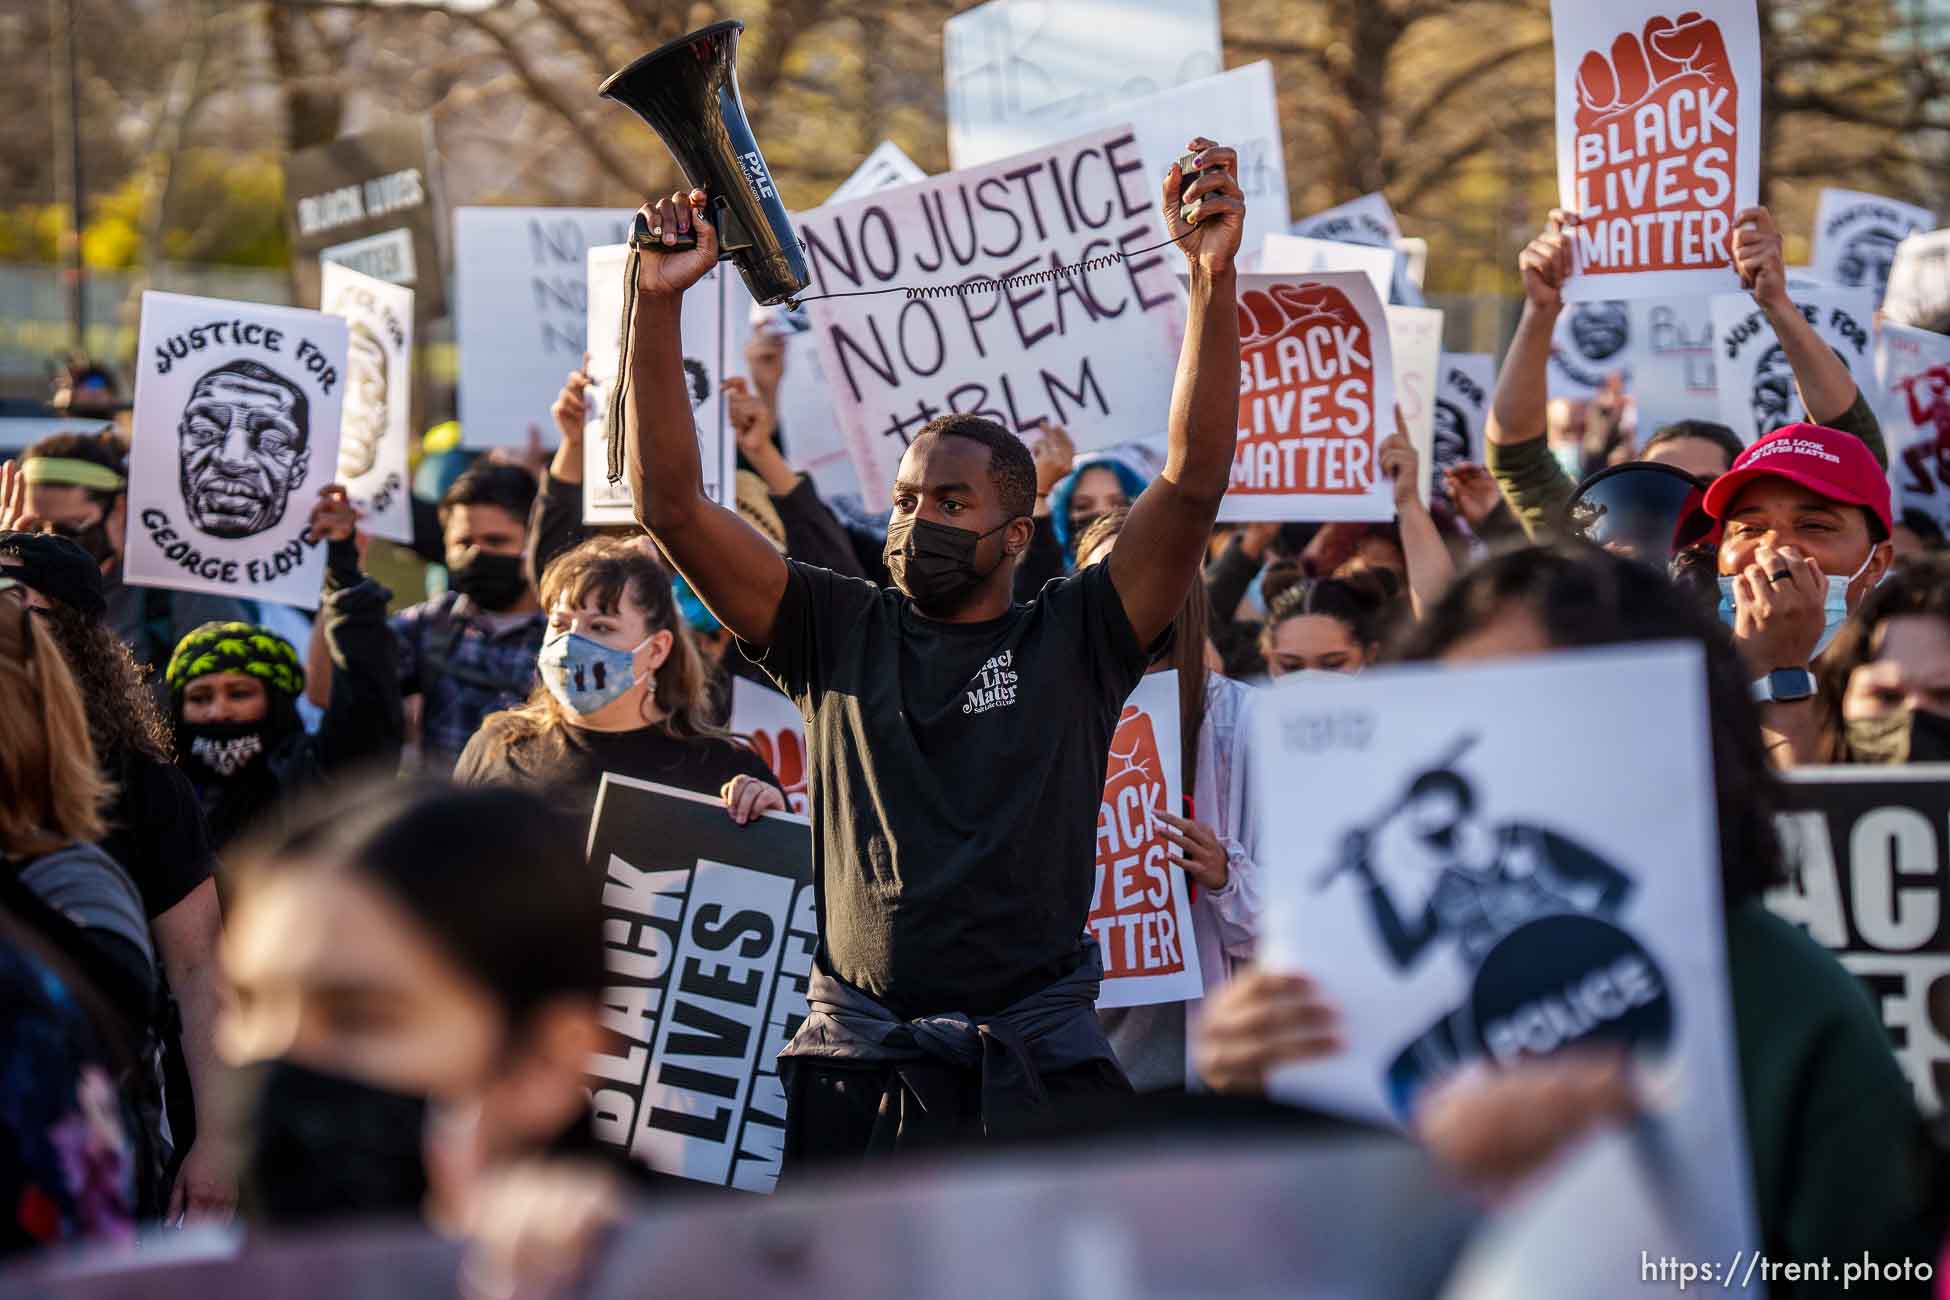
x: 1288, y: 310
x: 1672, y: 54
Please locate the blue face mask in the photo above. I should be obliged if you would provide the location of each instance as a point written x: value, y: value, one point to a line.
x: 586, y: 676
x: 701, y: 619
x: 1834, y: 609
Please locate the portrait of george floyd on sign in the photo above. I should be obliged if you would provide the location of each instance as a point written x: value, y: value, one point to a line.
x: 1758, y: 393
x: 1868, y: 854
x: 375, y: 434
x: 237, y: 414
x: 1316, y: 398
x: 708, y: 939
x: 1856, y: 237
x: 1658, y: 142
x: 372, y: 202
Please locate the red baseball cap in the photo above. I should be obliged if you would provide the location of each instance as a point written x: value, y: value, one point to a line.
x: 1833, y: 464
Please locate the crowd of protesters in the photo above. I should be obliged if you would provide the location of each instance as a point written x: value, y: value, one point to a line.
x: 403, y: 974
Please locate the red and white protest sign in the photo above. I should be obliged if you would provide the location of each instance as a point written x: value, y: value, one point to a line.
x: 1658, y: 141
x: 1141, y: 911
x: 1316, y: 396
x: 1913, y: 371
x: 773, y: 726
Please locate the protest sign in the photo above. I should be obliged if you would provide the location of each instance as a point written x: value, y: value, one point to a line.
x: 1415, y: 338
x: 1316, y: 397
x: 237, y: 409
x: 1468, y: 883
x: 1673, y: 377
x: 1658, y: 142
x: 716, y: 319
x: 377, y: 429
x: 1757, y: 388
x: 1856, y: 236
x: 773, y: 725
x: 1919, y: 281
x: 521, y: 311
x: 1021, y: 74
x: 1867, y: 878
x: 1094, y: 351
x: 887, y: 166
x: 1463, y: 393
x: 1370, y: 220
x: 708, y: 938
x: 1140, y: 909
x: 1301, y: 255
x: 1913, y: 378
x: 1591, y: 342
x: 369, y: 201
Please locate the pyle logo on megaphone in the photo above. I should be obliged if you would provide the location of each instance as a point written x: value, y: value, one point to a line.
x: 755, y: 173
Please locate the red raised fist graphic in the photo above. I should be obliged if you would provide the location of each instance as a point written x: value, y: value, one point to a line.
x: 1132, y: 911
x: 1267, y: 315
x: 1306, y: 393
x: 1687, y: 52
x: 785, y: 754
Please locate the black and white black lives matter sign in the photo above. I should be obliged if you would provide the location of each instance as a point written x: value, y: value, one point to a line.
x: 371, y: 202
x: 708, y: 936
x: 237, y: 409
x: 1869, y: 875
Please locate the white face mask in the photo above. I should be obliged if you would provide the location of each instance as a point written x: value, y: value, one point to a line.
x: 1834, y: 609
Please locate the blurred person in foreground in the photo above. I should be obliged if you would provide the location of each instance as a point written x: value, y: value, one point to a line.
x: 1839, y: 1158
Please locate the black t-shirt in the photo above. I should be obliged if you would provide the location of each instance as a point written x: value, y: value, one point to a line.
x: 157, y: 831
x: 566, y: 765
x: 955, y: 775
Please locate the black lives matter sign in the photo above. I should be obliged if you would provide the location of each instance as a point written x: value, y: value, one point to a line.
x: 371, y: 202
x: 708, y: 938
x: 1869, y: 865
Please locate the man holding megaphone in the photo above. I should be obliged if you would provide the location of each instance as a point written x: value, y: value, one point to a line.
x: 958, y: 740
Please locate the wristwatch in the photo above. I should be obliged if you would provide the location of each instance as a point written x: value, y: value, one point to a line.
x: 1785, y: 686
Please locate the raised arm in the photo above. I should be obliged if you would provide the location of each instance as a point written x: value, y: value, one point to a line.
x: 727, y: 562
x: 1430, y: 566
x: 1159, y: 554
x: 1532, y: 481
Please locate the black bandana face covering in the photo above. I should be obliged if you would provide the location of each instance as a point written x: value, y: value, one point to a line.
x: 934, y: 564
x: 220, y: 750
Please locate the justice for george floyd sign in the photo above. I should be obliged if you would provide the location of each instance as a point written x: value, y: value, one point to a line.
x: 1093, y: 351
x: 1757, y: 388
x: 708, y: 937
x: 1856, y: 236
x: 1658, y: 142
x: 369, y: 202
x: 237, y: 409
x: 376, y: 430
x: 1141, y: 911
x: 1472, y: 890
x: 1462, y: 407
x: 1913, y: 374
x: 1868, y: 875
x: 1316, y: 397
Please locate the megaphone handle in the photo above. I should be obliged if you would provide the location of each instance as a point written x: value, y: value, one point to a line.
x: 641, y: 237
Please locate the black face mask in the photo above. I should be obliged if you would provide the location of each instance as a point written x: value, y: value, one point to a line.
x: 92, y: 539
x: 492, y: 581
x: 934, y: 564
x: 215, y: 752
x: 322, y: 1145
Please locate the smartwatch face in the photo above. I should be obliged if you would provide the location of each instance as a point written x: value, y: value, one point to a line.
x: 1790, y: 684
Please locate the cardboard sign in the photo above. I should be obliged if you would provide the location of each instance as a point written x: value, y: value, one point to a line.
x: 376, y: 432
x: 1673, y: 377
x: 1022, y: 74
x: 887, y: 166
x: 1591, y: 342
x: 1913, y: 376
x: 370, y: 202
x: 1301, y: 255
x: 1467, y: 886
x: 237, y: 409
x: 714, y: 346
x: 1415, y: 338
x: 1658, y: 142
x: 1919, y: 282
x: 709, y: 939
x: 1316, y: 397
x: 1856, y: 236
x: 1464, y: 390
x: 1868, y: 875
x: 774, y: 727
x: 1757, y: 389
x: 1094, y: 351
x: 1140, y: 910
x: 1370, y: 220
x: 521, y: 311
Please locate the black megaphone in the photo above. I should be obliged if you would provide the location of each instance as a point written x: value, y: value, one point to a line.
x: 688, y: 92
